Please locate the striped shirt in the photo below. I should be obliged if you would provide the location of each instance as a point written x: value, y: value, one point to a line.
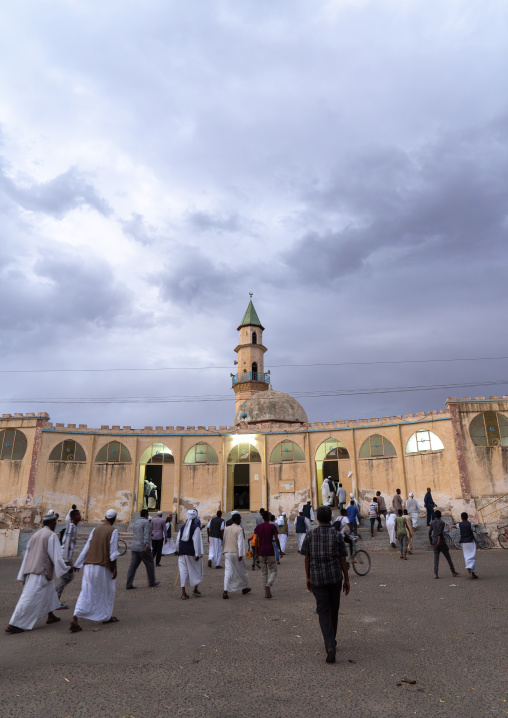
x: 373, y: 510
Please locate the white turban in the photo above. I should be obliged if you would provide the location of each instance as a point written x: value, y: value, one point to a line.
x: 191, y: 515
x: 234, y: 512
x: 50, y: 516
x: 411, y: 495
x: 111, y: 514
x: 159, y: 513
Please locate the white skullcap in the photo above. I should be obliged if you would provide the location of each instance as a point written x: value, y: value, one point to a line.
x: 234, y: 512
x: 308, y: 501
x: 283, y: 513
x: 411, y: 494
x: 159, y: 513
x: 111, y: 514
x: 351, y: 496
x: 192, y: 513
x: 50, y: 516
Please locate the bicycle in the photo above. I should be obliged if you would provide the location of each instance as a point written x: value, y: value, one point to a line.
x: 481, y: 537
x: 450, y: 534
x: 122, y: 547
x: 361, y: 562
x: 503, y: 538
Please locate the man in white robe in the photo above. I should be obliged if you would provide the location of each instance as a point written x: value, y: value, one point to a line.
x: 391, y: 528
x: 283, y: 529
x: 235, y: 575
x: 327, y: 491
x: 189, y: 547
x: 215, y: 532
x: 42, y: 561
x: 413, y: 509
x: 98, y: 587
x: 302, y: 528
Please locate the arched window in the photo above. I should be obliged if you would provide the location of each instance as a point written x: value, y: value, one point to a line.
x: 113, y: 453
x: 376, y: 445
x: 68, y: 450
x: 424, y: 440
x: 244, y: 453
x: 254, y: 370
x: 12, y: 444
x: 489, y: 429
x: 201, y: 453
x: 287, y: 451
x: 331, y: 449
x: 157, y: 454
x: 254, y: 338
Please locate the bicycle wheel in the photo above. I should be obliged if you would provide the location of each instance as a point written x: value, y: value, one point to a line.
x: 457, y: 541
x: 483, y: 541
x: 449, y: 540
x: 503, y: 540
x: 361, y: 563
x: 122, y: 547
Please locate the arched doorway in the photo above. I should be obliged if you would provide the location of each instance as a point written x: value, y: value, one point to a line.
x: 243, y: 480
x: 332, y: 460
x: 156, y: 467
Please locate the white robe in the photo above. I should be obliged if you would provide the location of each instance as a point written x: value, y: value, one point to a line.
x: 236, y: 577
x: 191, y: 571
x: 168, y: 547
x: 414, y: 519
x: 469, y: 551
x: 390, y: 525
x: 39, y: 596
x: 97, y: 596
x: 326, y: 494
x: 283, y: 540
x: 215, y: 546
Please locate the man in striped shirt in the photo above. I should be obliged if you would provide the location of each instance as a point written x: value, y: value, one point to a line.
x: 68, y: 543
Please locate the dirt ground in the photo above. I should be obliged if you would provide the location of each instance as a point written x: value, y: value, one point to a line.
x: 250, y: 656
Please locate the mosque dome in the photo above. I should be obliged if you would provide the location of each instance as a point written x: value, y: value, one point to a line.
x: 271, y: 405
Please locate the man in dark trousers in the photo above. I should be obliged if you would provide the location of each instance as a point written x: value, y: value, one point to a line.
x: 326, y: 571
x: 141, y: 549
x: 429, y: 504
x: 159, y: 535
x: 437, y: 539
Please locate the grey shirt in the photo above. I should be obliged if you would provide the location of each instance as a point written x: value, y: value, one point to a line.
x: 141, y: 535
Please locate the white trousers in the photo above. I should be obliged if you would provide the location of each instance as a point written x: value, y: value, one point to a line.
x: 215, y: 550
x: 37, y: 599
x: 191, y: 571
x: 300, y: 538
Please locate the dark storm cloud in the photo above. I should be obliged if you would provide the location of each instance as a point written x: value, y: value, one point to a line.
x: 57, y: 196
x: 439, y: 203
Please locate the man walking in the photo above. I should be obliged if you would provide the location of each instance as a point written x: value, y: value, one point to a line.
x: 302, y: 527
x: 266, y: 535
x: 354, y: 517
x: 326, y: 570
x: 373, y: 515
x: 308, y: 511
x: 141, y: 551
x: 397, y: 502
x: 381, y: 503
x: 429, y: 504
x: 235, y: 575
x: 437, y: 539
x: 215, y: 532
x: 68, y: 543
x: 98, y: 588
x: 259, y: 517
x: 158, y: 537
x: 42, y: 560
x: 283, y: 529
x: 189, y: 547
x: 341, y: 496
x: 413, y: 509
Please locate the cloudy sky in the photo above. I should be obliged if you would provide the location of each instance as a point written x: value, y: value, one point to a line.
x: 344, y: 160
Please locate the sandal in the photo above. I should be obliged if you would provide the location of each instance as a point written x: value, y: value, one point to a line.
x: 75, y: 629
x: 55, y: 619
x: 225, y: 594
x: 185, y: 598
x: 113, y: 619
x: 14, y: 629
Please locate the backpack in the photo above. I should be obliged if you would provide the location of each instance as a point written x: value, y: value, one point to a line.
x: 152, y: 494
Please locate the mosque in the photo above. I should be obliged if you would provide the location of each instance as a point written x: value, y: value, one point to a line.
x: 271, y: 455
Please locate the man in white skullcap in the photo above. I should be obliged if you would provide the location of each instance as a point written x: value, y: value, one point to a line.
x: 189, y: 547
x: 215, y: 532
x: 98, y: 587
x: 42, y: 561
x: 413, y: 509
x: 283, y: 529
x: 390, y: 526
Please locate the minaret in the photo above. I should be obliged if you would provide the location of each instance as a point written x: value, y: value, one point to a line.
x: 251, y: 376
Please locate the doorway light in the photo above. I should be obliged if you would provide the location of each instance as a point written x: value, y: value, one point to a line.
x: 247, y: 438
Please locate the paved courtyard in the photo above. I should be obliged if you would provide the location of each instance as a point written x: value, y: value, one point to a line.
x: 253, y: 657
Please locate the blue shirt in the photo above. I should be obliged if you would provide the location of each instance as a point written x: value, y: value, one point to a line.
x: 353, y: 514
